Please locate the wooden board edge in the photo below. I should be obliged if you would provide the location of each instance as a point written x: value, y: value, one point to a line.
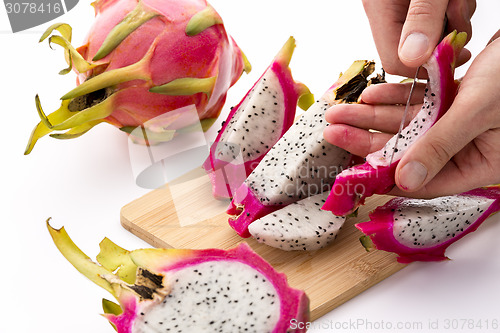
x: 141, y: 233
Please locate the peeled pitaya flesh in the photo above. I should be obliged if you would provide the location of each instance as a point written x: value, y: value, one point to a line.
x: 256, y: 124
x: 301, y: 163
x: 376, y: 176
x: 140, y: 60
x: 302, y: 225
x: 422, y: 229
x: 166, y: 290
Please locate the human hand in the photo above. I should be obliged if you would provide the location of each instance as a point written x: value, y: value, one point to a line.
x: 460, y: 152
x: 406, y: 32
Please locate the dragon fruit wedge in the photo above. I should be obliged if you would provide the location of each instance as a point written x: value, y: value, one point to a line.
x: 421, y: 230
x: 256, y: 124
x: 142, y: 59
x: 376, y: 176
x: 301, y: 163
x: 302, y: 225
x: 166, y: 290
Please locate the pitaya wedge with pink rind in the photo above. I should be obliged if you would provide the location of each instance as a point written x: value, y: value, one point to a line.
x: 169, y: 290
x: 422, y: 229
x: 142, y: 59
x: 300, y: 226
x: 256, y: 124
x: 301, y: 163
x: 376, y: 176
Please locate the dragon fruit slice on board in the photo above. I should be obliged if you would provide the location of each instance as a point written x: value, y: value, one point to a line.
x: 302, y: 225
x: 421, y: 230
x: 208, y: 290
x: 256, y: 124
x: 376, y: 175
x: 301, y: 163
x: 142, y: 59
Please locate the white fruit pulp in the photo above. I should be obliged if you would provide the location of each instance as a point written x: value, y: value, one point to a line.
x: 420, y: 223
x: 256, y: 125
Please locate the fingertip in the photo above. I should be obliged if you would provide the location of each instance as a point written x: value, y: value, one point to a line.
x: 368, y: 95
x: 330, y: 114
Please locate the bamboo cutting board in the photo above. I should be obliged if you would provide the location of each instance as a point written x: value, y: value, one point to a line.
x: 185, y: 215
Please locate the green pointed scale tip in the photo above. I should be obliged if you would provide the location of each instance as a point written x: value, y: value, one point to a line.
x: 41, y: 114
x: 186, y: 86
x: 41, y: 129
x: 76, y: 131
x: 207, y: 123
x: 407, y: 80
x: 110, y: 307
x: 247, y: 66
x: 346, y: 88
x: 284, y: 56
x: 65, y: 119
x: 111, y: 78
x: 129, y: 24
x: 72, y: 56
x: 367, y: 243
x: 80, y: 260
x: 458, y: 39
x: 354, y: 214
x: 156, y: 259
x: 136, y: 71
x: 306, y: 98
x: 117, y: 259
x: 203, y: 20
x: 359, y: 66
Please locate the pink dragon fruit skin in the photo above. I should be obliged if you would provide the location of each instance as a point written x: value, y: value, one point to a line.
x: 279, y: 190
x: 256, y: 109
x: 376, y: 176
x: 141, y: 60
x: 475, y: 205
x: 157, y: 288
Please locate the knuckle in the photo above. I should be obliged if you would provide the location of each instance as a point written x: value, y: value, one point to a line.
x: 421, y: 8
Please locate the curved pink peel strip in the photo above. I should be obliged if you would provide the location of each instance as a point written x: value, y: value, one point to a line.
x: 351, y: 189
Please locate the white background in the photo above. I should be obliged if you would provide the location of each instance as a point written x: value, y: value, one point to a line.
x: 83, y: 183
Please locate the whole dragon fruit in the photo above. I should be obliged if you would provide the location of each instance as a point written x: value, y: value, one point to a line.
x: 142, y: 59
x: 376, y: 176
x: 254, y: 125
x: 212, y: 290
x: 421, y: 230
x: 301, y: 163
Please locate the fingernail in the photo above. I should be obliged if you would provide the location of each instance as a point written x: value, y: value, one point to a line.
x: 412, y: 176
x: 414, y: 47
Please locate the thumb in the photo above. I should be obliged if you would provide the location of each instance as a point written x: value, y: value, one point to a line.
x: 430, y: 153
x: 421, y: 31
